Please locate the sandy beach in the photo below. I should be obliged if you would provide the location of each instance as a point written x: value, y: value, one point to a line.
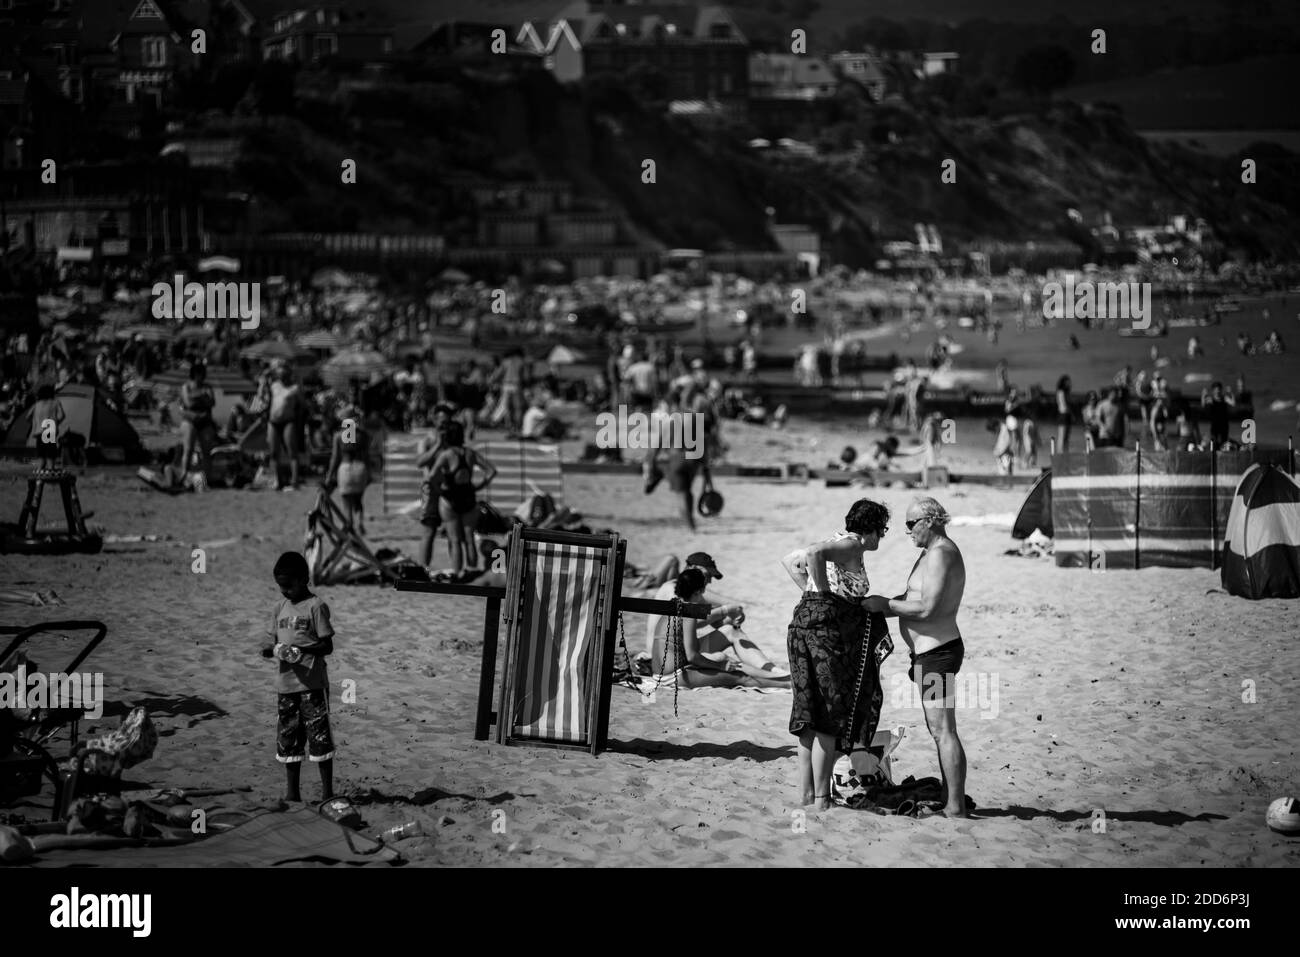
x: 1118, y: 693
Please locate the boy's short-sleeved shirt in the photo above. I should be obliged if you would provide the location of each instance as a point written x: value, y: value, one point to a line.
x: 296, y: 623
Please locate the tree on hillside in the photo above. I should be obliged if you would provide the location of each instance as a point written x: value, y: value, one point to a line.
x: 273, y: 88
x: 1042, y: 69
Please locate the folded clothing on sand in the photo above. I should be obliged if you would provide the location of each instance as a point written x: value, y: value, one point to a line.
x: 904, y: 799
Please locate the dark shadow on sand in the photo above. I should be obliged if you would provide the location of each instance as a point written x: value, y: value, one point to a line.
x: 427, y: 796
x: 168, y: 706
x: 666, y: 751
x: 1162, y: 818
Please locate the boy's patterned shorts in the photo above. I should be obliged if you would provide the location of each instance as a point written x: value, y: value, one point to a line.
x: 304, y: 727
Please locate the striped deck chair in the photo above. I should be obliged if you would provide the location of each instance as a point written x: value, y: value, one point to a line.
x: 520, y: 467
x: 401, y: 478
x: 561, y: 616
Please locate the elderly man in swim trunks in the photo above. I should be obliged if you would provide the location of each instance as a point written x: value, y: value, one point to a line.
x: 927, y: 620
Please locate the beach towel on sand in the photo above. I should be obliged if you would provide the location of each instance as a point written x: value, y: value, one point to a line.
x: 300, y: 836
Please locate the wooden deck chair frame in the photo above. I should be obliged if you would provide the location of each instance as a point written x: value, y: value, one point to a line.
x: 597, y: 674
x: 330, y: 519
x: 599, y: 670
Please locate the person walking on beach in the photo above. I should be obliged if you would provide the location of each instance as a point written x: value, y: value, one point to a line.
x: 1063, y: 416
x: 681, y: 471
x: 824, y: 642
x: 301, y: 636
x: 927, y: 620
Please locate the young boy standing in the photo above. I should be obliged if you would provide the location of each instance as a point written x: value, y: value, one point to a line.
x: 300, y: 636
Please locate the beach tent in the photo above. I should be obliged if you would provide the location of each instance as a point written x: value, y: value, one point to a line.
x: 1036, y: 511
x: 1261, y: 548
x: 1115, y: 508
x: 89, y: 416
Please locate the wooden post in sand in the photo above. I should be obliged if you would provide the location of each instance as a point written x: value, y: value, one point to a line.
x: 1137, y: 509
x: 1214, y: 509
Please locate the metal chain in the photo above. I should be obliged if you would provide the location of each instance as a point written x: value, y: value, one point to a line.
x: 679, y: 649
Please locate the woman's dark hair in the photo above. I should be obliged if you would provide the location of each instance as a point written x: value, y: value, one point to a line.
x: 45, y: 392
x: 849, y: 455
x: 291, y: 565
x: 454, y: 433
x: 866, y: 517
x: 1063, y: 383
x: 196, y: 369
x: 689, y: 582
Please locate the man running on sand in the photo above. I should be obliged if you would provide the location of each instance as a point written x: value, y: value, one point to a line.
x: 927, y: 620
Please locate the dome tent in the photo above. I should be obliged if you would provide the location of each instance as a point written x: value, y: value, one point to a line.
x: 1261, y: 547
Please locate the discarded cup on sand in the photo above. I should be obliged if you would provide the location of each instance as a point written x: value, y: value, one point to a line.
x: 401, y: 832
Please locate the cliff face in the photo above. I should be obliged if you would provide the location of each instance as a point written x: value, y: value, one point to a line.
x: 877, y: 171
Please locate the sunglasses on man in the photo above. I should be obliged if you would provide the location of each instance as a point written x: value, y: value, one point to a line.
x: 912, y: 523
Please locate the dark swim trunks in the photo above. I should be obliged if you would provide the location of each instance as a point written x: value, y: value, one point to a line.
x: 943, y: 663
x: 682, y: 472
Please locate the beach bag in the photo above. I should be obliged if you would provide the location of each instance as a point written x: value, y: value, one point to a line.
x: 865, y: 768
x: 711, y: 503
x: 491, y: 521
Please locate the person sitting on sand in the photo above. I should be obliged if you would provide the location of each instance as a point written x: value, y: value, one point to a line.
x: 720, y: 632
x: 700, y: 658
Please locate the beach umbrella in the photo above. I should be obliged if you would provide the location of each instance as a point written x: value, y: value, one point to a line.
x: 219, y: 264
x: 330, y: 278
x: 227, y: 380
x: 453, y: 276
x: 354, y: 365
x: 272, y: 349
x: 320, y: 339
x: 194, y: 333
x: 564, y: 356
x: 146, y: 333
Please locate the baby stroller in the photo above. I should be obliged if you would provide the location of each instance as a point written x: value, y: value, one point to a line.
x: 27, y: 736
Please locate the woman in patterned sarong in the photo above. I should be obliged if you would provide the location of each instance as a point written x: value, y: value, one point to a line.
x: 825, y: 643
